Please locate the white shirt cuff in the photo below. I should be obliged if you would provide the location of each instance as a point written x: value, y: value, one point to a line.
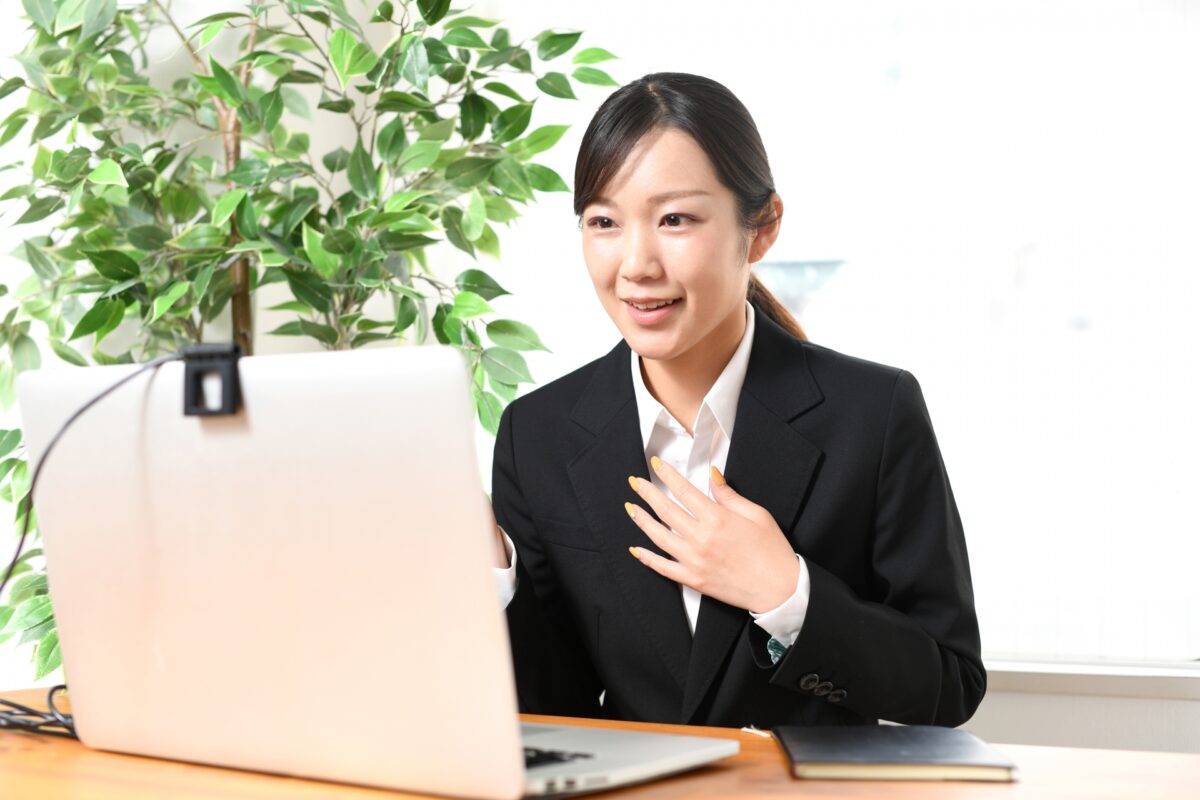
x: 785, y: 620
x: 506, y: 579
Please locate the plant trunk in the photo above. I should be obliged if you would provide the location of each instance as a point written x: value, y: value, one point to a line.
x: 239, y: 303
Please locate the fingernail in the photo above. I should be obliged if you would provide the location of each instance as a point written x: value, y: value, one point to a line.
x: 633, y: 482
x: 718, y: 478
x: 634, y: 551
x: 631, y: 510
x: 655, y: 462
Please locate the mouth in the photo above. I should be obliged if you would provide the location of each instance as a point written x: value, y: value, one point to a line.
x: 653, y: 304
x: 652, y: 312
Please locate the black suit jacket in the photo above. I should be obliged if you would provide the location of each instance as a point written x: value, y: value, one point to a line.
x: 843, y: 454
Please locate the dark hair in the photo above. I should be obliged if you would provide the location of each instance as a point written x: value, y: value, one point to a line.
x: 720, y: 124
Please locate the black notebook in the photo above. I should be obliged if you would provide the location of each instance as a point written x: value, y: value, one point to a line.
x: 891, y: 752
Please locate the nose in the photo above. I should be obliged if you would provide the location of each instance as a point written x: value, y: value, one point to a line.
x: 640, y: 257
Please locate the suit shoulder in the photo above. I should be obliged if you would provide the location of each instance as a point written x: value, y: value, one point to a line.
x: 838, y: 369
x: 554, y: 401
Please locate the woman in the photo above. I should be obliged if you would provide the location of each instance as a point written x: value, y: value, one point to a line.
x: 719, y: 522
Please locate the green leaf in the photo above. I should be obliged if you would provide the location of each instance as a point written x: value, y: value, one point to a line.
x: 323, y: 261
x: 322, y: 333
x: 49, y: 656
x: 40, y: 262
x: 433, y: 10
x: 164, y: 301
x: 473, y: 116
x: 479, y: 282
x: 406, y: 313
x: 270, y: 107
x: 308, y: 288
x: 539, y: 141
x: 99, y: 317
x: 556, y: 44
x: 418, y: 156
x: 415, y: 68
x: 147, y: 237
x: 248, y: 172
x: 383, y: 12
x: 515, y: 335
x: 10, y: 86
x: 400, y: 101
x: 25, y: 353
x: 592, y: 55
x: 489, y: 408
x: 349, y: 56
x: 97, y: 16
x: 505, y: 365
x: 203, y: 278
x: 470, y: 22
x: 545, y: 179
x: 32, y: 612
x: 469, y: 171
x: 107, y: 173
x: 209, y: 33
x: 9, y: 440
x: 336, y: 160
x: 438, y: 131
x: 466, y: 38
x: 66, y: 353
x: 361, y: 171
x: 39, y: 209
x: 468, y: 305
x: 231, y: 88
x: 475, y: 216
x: 596, y: 77
x: 113, y: 264
x: 227, y: 205
x: 42, y: 13
x: 401, y: 200
x: 511, y: 122
x: 556, y: 84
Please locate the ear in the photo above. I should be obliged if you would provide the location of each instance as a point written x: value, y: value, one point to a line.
x: 762, y: 239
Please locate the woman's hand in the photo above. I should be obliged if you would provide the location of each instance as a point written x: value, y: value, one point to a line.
x: 731, y: 549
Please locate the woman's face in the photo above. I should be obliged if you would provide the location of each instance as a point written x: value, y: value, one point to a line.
x: 665, y: 228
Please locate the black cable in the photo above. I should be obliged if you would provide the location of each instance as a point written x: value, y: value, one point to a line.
x: 54, y: 722
x: 155, y: 364
x: 50, y: 723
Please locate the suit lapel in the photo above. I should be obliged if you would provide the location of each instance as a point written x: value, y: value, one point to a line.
x: 598, y: 474
x: 768, y: 463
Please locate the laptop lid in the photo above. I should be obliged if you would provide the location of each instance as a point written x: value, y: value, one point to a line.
x: 302, y: 588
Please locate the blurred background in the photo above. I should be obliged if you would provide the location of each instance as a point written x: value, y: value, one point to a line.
x: 1001, y: 197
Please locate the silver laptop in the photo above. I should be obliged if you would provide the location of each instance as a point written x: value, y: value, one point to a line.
x: 303, y: 587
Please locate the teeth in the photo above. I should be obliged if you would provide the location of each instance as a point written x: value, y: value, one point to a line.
x: 649, y: 308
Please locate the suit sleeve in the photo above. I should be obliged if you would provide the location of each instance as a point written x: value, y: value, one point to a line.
x: 914, y: 655
x: 554, y: 674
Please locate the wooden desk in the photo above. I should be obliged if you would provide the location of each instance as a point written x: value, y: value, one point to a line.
x: 47, y: 768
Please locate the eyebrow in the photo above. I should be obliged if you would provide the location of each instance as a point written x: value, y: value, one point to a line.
x: 658, y: 198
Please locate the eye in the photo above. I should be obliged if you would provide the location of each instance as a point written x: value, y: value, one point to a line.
x: 679, y: 220
x: 594, y: 223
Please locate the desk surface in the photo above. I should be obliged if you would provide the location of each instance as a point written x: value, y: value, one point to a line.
x: 48, y: 767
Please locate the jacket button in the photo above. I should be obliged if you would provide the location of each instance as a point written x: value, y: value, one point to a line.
x: 823, y: 688
x: 809, y: 681
x: 836, y: 696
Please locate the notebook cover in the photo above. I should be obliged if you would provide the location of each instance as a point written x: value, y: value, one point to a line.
x: 859, y: 749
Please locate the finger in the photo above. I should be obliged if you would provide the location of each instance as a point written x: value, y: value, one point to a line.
x: 727, y: 496
x: 661, y: 535
x: 669, y: 569
x: 695, y: 501
x: 670, y: 512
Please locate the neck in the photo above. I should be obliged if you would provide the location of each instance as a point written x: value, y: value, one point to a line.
x: 681, y: 383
